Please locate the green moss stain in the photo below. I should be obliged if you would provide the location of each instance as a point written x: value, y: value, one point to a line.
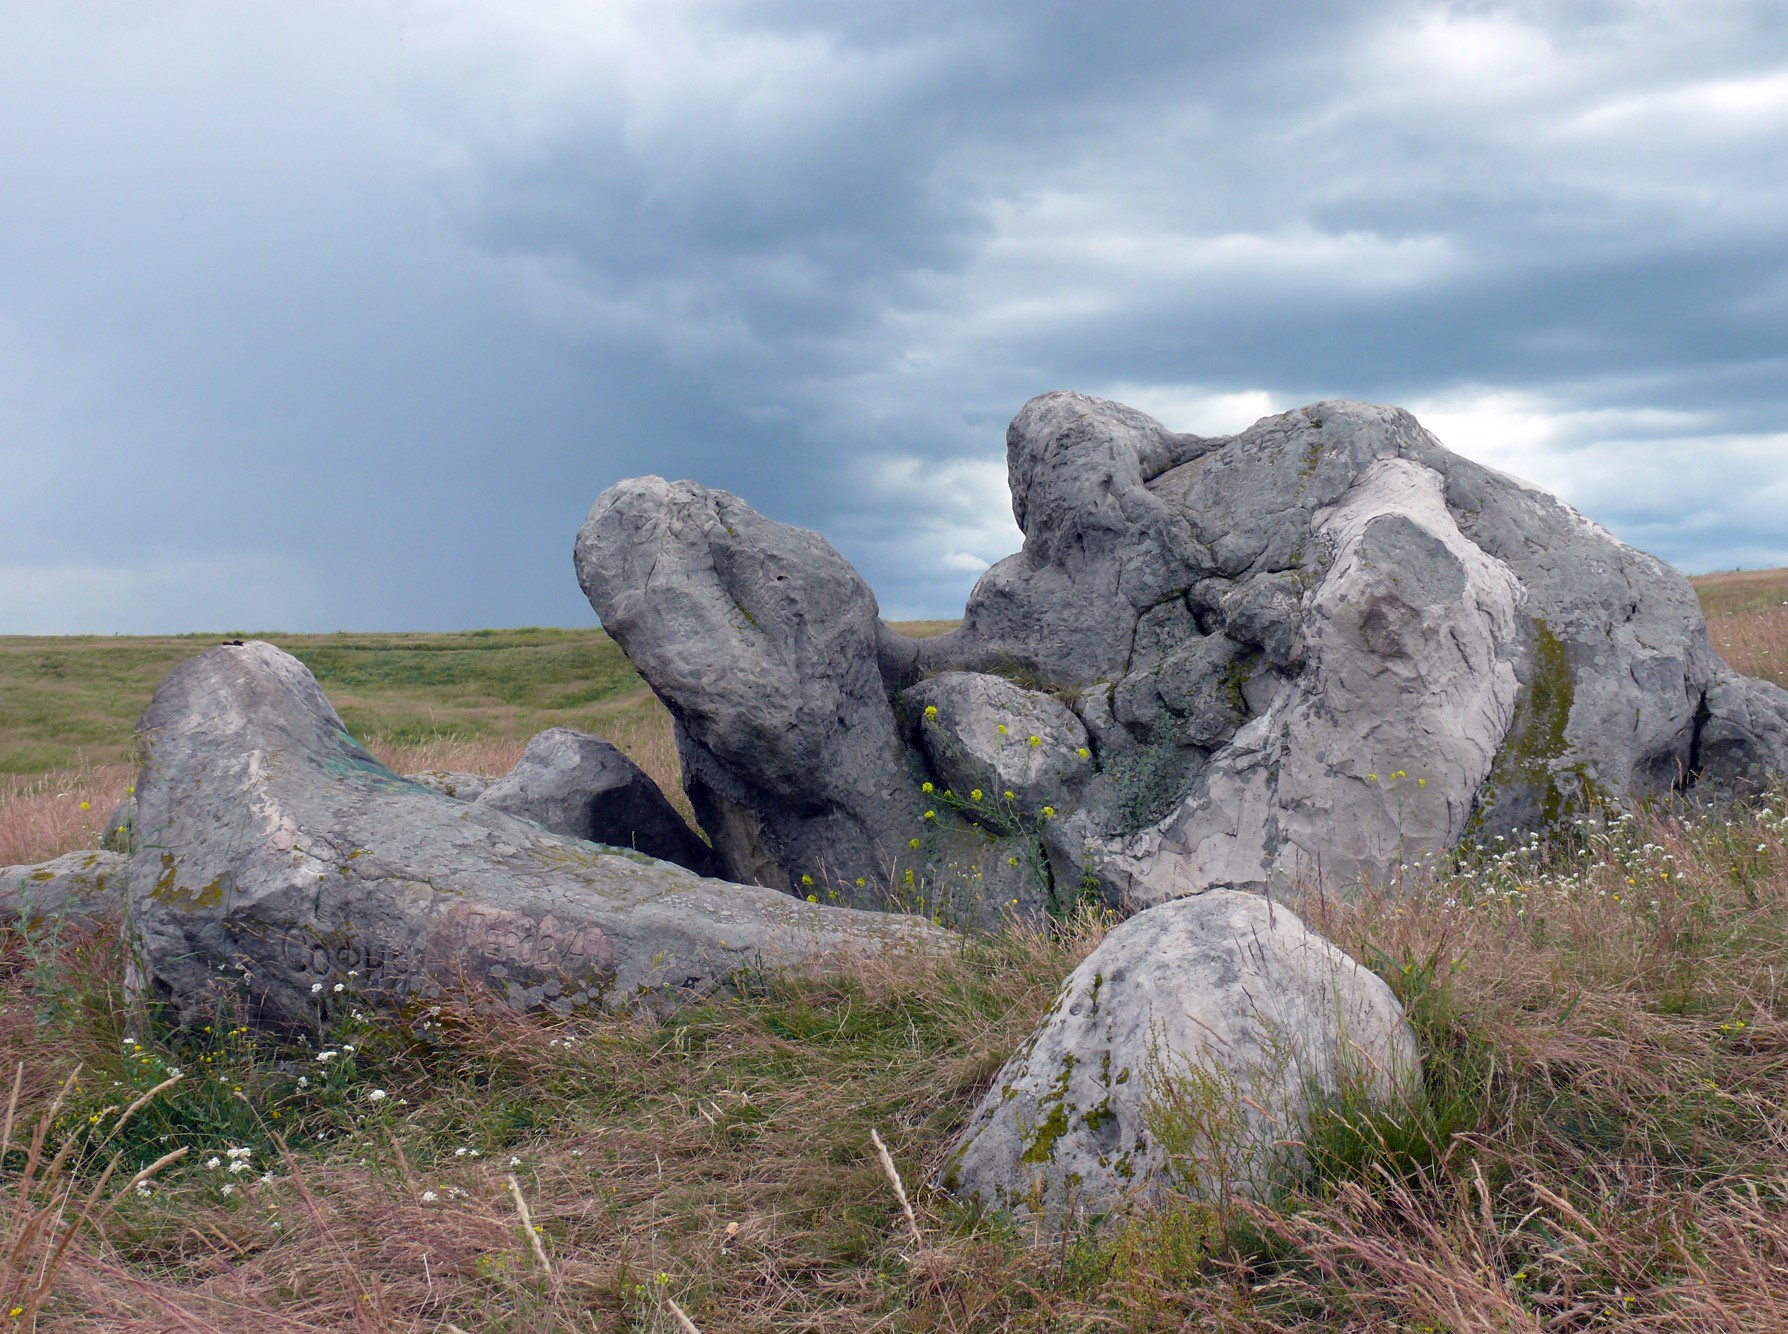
x: 169, y: 892
x: 1055, y: 1122
x: 1148, y: 780
x: 1536, y: 754
x: 1312, y: 460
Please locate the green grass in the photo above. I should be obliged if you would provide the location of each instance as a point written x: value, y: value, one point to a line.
x: 74, y: 701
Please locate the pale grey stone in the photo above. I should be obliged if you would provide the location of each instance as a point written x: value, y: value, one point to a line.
x: 583, y: 787
x: 1302, y: 655
x: 1184, y: 1053
x: 767, y: 649
x: 76, y: 886
x: 277, y: 858
x: 1389, y: 649
x: 1100, y: 547
x: 985, y: 733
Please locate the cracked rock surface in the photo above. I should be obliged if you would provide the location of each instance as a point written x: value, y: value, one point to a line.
x: 276, y: 858
x: 1300, y: 655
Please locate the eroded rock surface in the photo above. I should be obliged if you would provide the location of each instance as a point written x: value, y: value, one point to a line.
x: 1184, y: 1052
x: 762, y: 642
x: 1302, y: 654
x: 453, y: 783
x: 583, y: 787
x: 1344, y: 646
x: 276, y: 857
x: 981, y: 732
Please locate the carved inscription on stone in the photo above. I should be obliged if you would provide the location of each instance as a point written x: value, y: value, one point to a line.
x: 476, y: 937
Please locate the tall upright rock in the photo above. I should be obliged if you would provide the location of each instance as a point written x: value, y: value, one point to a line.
x: 762, y: 642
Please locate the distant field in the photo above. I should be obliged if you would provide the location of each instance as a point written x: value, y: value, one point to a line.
x: 69, y: 706
x: 1747, y: 618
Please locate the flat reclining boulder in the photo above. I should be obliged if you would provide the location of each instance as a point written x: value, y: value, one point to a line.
x: 77, y: 886
x: 276, y: 857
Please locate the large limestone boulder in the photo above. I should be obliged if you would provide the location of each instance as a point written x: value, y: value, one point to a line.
x: 583, y: 787
x: 1329, y: 644
x: 76, y: 886
x: 1300, y: 655
x: 762, y: 642
x: 276, y: 858
x: 1188, y: 1051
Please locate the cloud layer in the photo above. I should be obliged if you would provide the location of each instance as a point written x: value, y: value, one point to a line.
x: 333, y: 315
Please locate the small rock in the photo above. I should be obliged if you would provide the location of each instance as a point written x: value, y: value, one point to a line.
x: 581, y: 786
x: 1182, y: 1054
x: 118, y: 835
x: 985, y: 733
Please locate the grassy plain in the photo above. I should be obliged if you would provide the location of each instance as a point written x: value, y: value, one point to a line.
x: 1601, y: 1141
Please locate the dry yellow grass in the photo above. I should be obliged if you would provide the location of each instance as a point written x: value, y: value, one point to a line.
x: 45, y: 815
x: 1601, y: 1142
x: 1747, y: 619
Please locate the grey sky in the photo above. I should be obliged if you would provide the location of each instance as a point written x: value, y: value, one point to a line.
x: 320, y: 316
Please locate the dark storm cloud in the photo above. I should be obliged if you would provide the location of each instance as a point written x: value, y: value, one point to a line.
x: 333, y: 315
